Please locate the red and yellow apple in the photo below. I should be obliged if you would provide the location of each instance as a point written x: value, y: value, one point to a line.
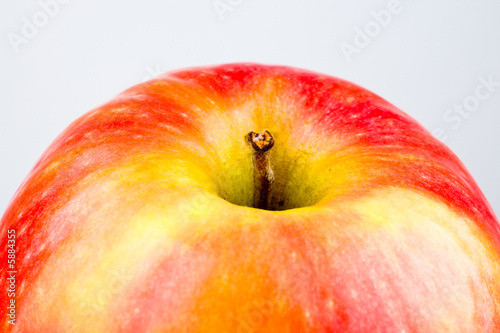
x: 142, y: 217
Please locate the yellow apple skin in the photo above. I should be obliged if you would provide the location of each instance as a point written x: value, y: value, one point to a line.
x: 138, y: 217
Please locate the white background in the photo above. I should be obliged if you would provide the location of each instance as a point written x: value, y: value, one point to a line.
x: 429, y: 57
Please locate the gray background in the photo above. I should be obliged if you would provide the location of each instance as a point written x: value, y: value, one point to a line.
x: 428, y: 58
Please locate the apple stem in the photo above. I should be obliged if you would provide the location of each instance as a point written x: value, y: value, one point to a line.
x: 263, y: 175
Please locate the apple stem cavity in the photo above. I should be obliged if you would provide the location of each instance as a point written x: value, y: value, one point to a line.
x: 263, y: 175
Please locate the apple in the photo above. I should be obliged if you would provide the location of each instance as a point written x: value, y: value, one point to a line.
x: 249, y: 198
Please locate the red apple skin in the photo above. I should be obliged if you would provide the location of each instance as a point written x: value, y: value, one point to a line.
x: 122, y: 225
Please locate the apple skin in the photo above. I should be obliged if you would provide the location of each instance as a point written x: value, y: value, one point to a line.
x: 137, y: 218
